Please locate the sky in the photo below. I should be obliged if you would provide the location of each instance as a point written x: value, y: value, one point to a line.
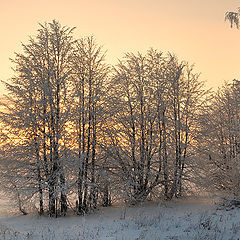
x: 192, y: 29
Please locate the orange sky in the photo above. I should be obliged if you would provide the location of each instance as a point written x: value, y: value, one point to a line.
x: 193, y: 29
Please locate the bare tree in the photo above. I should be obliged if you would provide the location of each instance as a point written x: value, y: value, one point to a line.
x: 154, y: 100
x: 222, y: 141
x: 90, y: 78
x: 40, y: 105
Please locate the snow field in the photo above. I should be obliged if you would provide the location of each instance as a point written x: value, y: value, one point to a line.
x: 178, y: 220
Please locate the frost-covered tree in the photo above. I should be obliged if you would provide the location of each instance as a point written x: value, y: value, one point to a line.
x: 153, y: 104
x: 221, y: 139
x: 39, y: 103
x: 89, y: 81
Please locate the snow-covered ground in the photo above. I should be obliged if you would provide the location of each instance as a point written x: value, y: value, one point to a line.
x: 183, y: 219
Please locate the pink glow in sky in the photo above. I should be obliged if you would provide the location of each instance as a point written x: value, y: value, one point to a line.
x: 192, y: 29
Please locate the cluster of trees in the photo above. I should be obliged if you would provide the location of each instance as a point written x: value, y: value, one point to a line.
x: 51, y: 117
x: 154, y: 103
x: 77, y: 132
x: 220, y: 139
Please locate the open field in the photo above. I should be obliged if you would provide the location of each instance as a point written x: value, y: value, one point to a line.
x: 181, y: 219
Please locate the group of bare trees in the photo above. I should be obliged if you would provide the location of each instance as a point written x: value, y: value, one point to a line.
x: 77, y: 133
x: 216, y: 148
x: 153, y: 107
x: 220, y: 140
x: 50, y: 118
